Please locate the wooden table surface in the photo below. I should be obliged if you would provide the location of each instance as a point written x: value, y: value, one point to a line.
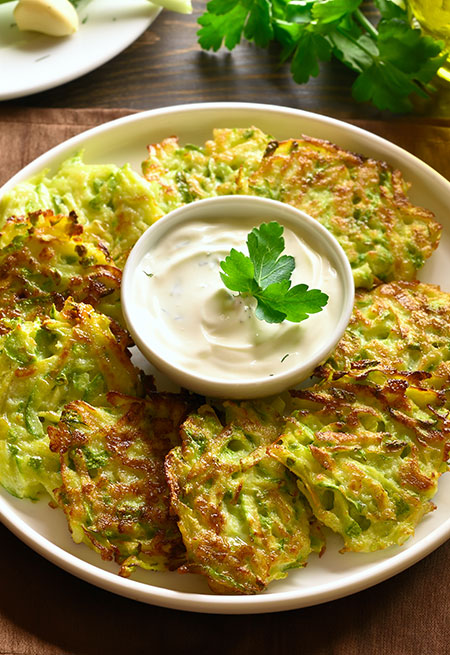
x: 166, y: 66
x: 45, y: 611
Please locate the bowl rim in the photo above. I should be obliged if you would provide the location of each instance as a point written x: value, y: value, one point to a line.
x: 308, y: 228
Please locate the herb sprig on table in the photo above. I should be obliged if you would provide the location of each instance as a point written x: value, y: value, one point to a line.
x: 392, y: 61
x: 266, y: 275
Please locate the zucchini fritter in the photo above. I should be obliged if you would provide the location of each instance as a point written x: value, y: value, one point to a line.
x: 361, y: 201
x: 44, y: 364
x: 44, y: 258
x: 182, y: 174
x: 114, y: 492
x: 114, y: 205
x: 401, y: 325
x: 243, y: 520
x: 368, y: 452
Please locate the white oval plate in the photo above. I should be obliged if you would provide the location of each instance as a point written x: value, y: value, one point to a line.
x: 32, y: 62
x: 334, y: 575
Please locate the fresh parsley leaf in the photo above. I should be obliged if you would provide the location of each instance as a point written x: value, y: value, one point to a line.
x: 218, y: 29
x: 393, y: 60
x: 406, y: 60
x: 329, y: 11
x: 300, y: 11
x: 295, y: 302
x: 356, y: 53
x: 226, y: 20
x: 265, y: 312
x: 259, y: 23
x: 238, y: 272
x: 265, y: 245
x: 265, y: 274
x: 380, y: 84
x: 311, y: 49
x: 407, y: 49
x: 391, y: 8
x: 222, y: 6
x: 287, y: 35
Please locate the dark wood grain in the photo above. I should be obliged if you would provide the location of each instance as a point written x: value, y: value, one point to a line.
x: 166, y: 66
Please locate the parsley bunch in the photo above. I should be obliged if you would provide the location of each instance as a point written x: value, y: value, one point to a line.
x: 392, y: 61
x: 266, y: 275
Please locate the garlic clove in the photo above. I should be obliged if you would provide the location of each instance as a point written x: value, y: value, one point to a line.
x: 54, y: 17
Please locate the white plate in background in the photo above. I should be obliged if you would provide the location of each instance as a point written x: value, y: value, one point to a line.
x: 32, y: 62
x: 334, y: 575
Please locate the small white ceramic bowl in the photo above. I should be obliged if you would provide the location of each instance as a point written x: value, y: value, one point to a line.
x: 255, y: 210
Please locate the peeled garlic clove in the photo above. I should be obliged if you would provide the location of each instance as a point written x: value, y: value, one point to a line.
x: 54, y: 17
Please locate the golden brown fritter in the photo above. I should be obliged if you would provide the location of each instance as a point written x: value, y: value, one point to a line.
x: 114, y: 492
x: 180, y: 174
x: 45, y: 258
x: 244, y: 522
x: 44, y: 364
x: 114, y: 205
x: 361, y: 201
x: 368, y: 452
x: 400, y: 325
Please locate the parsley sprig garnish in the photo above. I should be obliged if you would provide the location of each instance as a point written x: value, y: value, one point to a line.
x: 266, y: 275
x: 392, y: 61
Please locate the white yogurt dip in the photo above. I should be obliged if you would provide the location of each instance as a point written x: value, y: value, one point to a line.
x: 185, y: 312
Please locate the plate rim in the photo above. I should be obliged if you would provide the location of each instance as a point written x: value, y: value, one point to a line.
x: 218, y: 604
x: 89, y: 66
x: 200, y: 602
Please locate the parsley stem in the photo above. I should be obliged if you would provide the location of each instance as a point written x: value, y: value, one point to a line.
x: 365, y: 22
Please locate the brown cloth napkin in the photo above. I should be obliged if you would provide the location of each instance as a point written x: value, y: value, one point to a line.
x: 27, y: 133
x: 45, y: 611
